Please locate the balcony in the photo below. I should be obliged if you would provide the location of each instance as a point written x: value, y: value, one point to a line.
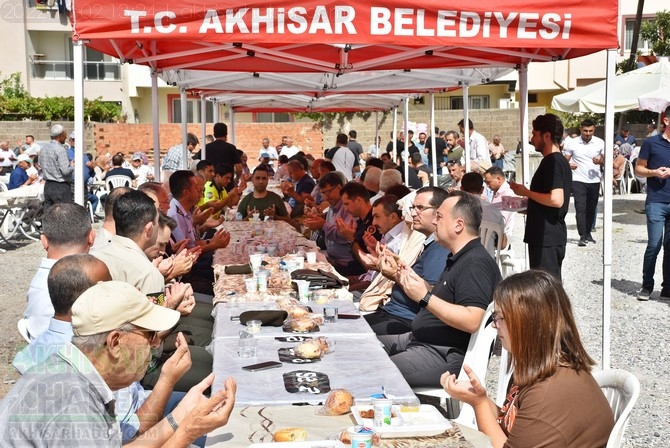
x: 62, y: 70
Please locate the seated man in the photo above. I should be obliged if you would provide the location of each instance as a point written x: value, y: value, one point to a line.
x: 67, y: 400
x: 473, y: 183
x: 497, y: 182
x: 454, y: 307
x: 302, y: 183
x: 20, y: 177
x: 266, y: 203
x: 118, y: 170
x: 397, y: 314
x: 215, y: 195
x: 337, y: 247
x: 356, y: 200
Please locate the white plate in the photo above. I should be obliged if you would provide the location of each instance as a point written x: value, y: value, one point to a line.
x: 427, y: 421
x: 314, y: 444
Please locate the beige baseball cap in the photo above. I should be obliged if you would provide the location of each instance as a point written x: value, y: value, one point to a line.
x: 107, y: 306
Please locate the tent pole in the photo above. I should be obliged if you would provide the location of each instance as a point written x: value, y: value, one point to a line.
x: 216, y: 111
x: 203, y: 123
x: 394, y: 140
x: 432, y: 137
x: 184, y: 129
x: 155, y: 125
x: 466, y: 126
x: 607, y: 205
x: 78, y: 56
x: 378, y: 146
x: 231, y: 131
x: 523, y: 122
x: 405, y: 114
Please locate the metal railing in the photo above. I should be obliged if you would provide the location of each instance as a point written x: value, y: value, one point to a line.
x: 93, y: 71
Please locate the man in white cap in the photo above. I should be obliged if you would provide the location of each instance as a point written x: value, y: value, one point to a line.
x: 141, y: 171
x: 68, y: 399
x: 20, y: 177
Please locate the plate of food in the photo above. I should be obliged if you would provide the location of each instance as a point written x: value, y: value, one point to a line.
x: 422, y: 422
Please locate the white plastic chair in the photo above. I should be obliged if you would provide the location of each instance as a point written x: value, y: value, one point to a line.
x: 492, y: 234
x: 117, y: 181
x: 628, y: 177
x: 621, y: 388
x: 23, y: 329
x: 477, y: 357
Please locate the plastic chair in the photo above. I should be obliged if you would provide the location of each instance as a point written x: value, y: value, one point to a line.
x: 621, y: 388
x: 491, y: 234
x: 477, y: 357
x: 23, y: 329
x: 628, y: 177
x: 118, y: 181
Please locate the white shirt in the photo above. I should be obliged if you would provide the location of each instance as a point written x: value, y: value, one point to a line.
x: 6, y: 155
x: 141, y: 172
x: 289, y: 151
x: 40, y: 310
x: 33, y: 150
x: 271, y: 151
x: 582, y: 153
x: 344, y: 161
x: 479, y: 147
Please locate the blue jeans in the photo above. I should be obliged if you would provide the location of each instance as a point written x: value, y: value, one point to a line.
x: 658, y: 233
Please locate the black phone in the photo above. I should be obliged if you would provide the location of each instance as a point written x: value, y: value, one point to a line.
x: 262, y: 366
x: 348, y: 316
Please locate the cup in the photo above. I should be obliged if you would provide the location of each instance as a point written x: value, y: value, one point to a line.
x: 311, y: 257
x: 330, y: 314
x: 382, y: 411
x: 247, y: 347
x: 262, y: 280
x: 361, y: 438
x: 303, y: 290
x: 254, y: 326
x: 251, y: 284
x: 256, y: 260
x: 256, y: 217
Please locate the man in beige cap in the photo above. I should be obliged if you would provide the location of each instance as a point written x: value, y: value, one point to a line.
x: 68, y: 398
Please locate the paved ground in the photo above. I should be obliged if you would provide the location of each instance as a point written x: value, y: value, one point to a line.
x: 639, y: 329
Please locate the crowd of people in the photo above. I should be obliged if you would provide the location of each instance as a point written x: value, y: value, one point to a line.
x: 125, y: 309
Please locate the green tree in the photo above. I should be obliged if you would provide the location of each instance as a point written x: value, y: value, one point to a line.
x: 657, y: 32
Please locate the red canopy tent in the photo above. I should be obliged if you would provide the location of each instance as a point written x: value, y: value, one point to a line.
x: 345, y: 36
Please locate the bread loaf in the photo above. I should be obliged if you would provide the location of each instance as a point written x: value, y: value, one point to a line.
x: 339, y: 402
x: 290, y: 435
x: 308, y: 350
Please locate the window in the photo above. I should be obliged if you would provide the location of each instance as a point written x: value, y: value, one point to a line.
x: 192, y: 110
x: 474, y: 101
x: 272, y: 117
x: 642, y: 45
x: 532, y: 97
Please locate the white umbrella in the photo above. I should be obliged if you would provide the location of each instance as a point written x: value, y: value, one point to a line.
x: 656, y: 101
x: 628, y: 87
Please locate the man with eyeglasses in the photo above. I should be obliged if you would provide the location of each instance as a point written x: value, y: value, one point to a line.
x: 452, y: 309
x: 396, y: 315
x: 68, y: 400
x: 337, y: 246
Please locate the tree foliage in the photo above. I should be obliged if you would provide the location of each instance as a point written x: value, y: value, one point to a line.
x: 17, y: 104
x: 657, y: 32
x: 329, y: 119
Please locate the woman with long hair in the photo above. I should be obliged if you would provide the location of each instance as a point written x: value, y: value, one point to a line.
x: 553, y: 400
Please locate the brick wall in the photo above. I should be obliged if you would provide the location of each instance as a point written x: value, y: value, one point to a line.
x: 102, y: 138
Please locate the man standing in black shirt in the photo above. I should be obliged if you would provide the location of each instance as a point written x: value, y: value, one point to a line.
x: 220, y: 151
x: 453, y: 309
x: 548, y: 198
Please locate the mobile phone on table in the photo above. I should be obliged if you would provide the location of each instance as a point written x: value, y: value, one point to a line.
x: 262, y: 366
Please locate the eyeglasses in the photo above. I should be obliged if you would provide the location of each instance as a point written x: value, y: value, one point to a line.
x: 328, y: 191
x: 149, y: 334
x: 495, y: 320
x: 420, y: 208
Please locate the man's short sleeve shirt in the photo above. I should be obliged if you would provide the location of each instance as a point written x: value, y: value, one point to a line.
x: 656, y: 151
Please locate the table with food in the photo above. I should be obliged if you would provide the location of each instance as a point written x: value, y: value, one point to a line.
x: 310, y: 372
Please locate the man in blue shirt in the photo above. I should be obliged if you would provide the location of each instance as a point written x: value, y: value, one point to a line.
x: 20, y: 176
x: 396, y: 316
x: 654, y: 164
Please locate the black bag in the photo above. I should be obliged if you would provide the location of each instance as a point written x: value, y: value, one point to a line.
x: 319, y: 279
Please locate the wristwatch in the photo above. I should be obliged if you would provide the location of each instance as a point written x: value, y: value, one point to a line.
x: 170, y: 419
x: 424, y: 302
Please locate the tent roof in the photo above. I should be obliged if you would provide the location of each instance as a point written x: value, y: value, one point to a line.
x: 628, y: 87
x: 210, y: 83
x: 344, y: 35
